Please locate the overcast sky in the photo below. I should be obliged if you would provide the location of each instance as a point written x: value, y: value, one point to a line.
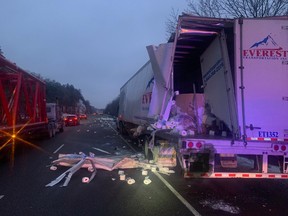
x: 95, y: 45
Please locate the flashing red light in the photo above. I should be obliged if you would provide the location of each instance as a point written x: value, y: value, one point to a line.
x: 283, y: 148
x: 276, y: 147
x: 190, y: 144
x: 199, y: 145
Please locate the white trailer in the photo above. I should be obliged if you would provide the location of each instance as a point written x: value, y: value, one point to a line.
x: 230, y: 76
x: 55, y: 120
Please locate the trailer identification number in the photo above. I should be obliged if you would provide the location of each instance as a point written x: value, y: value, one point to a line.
x: 268, y: 134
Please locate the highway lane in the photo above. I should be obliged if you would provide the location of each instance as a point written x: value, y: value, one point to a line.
x: 23, y: 191
x: 23, y: 186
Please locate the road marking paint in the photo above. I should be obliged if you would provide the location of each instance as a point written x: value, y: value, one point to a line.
x: 1, y: 196
x: 102, y: 150
x: 185, y: 202
x: 58, y: 149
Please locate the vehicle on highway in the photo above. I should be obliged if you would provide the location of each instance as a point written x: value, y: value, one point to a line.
x: 83, y: 116
x: 71, y: 119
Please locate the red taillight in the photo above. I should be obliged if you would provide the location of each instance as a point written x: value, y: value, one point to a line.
x: 199, y: 145
x: 276, y: 147
x: 283, y: 148
x: 190, y: 145
x: 75, y: 118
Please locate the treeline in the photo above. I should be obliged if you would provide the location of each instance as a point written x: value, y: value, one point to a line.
x: 67, y: 96
x: 112, y: 107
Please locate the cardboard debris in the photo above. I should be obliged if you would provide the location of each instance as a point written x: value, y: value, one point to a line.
x: 92, y: 163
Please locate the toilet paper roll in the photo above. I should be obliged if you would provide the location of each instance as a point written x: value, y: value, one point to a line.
x: 131, y: 181
x: 85, y: 179
x: 53, y: 168
x: 147, y: 181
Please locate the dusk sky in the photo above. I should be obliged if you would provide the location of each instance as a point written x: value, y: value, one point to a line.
x: 95, y: 45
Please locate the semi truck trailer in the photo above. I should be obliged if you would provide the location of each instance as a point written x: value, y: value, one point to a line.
x: 217, y: 93
x: 23, y: 108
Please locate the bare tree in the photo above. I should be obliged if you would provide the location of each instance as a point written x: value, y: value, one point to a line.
x: 206, y: 8
x: 229, y: 9
x: 171, y: 23
x: 237, y: 8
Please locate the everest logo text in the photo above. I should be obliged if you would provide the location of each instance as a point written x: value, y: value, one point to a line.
x: 266, y: 48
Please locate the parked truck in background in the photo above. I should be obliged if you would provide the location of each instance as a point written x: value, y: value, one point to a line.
x: 217, y: 93
x: 23, y: 108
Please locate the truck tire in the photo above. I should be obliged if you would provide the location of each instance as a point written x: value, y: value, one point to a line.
x: 61, y: 130
x: 53, y: 131
x: 50, y: 131
x: 122, y: 129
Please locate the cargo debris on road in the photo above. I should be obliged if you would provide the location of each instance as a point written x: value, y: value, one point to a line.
x: 92, y: 163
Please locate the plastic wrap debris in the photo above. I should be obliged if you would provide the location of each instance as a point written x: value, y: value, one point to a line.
x: 82, y: 159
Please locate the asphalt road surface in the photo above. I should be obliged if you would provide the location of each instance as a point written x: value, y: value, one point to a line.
x: 23, y: 183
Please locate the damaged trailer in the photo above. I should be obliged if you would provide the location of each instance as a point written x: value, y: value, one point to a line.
x: 217, y: 94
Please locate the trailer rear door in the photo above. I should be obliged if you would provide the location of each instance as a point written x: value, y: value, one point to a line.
x: 262, y: 53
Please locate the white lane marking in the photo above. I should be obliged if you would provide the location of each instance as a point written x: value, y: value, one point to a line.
x: 1, y: 196
x: 122, y: 137
x: 185, y: 202
x: 102, y: 150
x: 58, y: 149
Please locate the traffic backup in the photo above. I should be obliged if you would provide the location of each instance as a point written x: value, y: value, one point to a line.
x: 216, y: 92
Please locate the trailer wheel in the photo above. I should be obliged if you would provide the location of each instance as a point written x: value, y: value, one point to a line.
x: 122, y: 129
x: 53, y: 132
x: 61, y: 130
x: 50, y: 131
